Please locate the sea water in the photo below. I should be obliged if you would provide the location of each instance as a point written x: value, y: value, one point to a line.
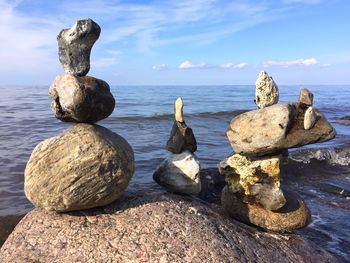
x: 143, y: 115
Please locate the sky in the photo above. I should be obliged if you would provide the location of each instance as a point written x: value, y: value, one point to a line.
x: 197, y: 42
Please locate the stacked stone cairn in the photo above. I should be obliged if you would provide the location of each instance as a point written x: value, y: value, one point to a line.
x: 261, y: 139
x: 87, y: 165
x: 180, y: 171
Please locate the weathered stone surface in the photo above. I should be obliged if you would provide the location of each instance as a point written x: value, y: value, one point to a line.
x: 257, y: 179
x: 306, y: 97
x: 266, y: 91
x: 74, y: 46
x: 292, y: 216
x: 85, y: 166
x: 179, y: 173
x: 310, y: 118
x: 178, y: 110
x: 278, y: 127
x: 181, y: 139
x: 81, y: 99
x: 158, y: 227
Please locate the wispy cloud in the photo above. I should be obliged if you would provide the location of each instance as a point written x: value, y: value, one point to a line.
x: 305, y: 2
x: 289, y: 63
x: 189, y: 65
x: 234, y: 66
x: 159, y: 67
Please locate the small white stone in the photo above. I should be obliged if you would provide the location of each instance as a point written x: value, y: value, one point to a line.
x: 309, y: 118
x: 266, y: 91
x: 178, y: 110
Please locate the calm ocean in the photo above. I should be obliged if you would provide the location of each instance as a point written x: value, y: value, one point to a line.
x: 143, y: 115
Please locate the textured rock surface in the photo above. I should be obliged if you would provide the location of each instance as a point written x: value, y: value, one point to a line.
x: 179, y: 173
x: 81, y: 99
x: 292, y: 216
x: 85, y: 166
x: 156, y: 227
x: 278, y: 127
x: 306, y: 97
x: 181, y: 139
x: 266, y: 91
x: 178, y: 110
x: 258, y: 180
x: 74, y: 46
x: 310, y: 118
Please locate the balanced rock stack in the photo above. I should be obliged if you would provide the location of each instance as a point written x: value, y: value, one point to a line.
x: 179, y: 172
x: 87, y: 165
x: 260, y: 139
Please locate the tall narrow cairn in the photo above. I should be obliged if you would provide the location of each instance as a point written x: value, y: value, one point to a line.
x: 179, y: 172
x: 87, y: 165
x: 260, y: 139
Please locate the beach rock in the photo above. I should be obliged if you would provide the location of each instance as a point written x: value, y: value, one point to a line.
x: 257, y: 179
x: 272, y: 129
x: 179, y: 173
x: 181, y: 139
x: 310, y: 118
x: 266, y: 91
x: 151, y: 227
x: 85, y: 166
x: 293, y: 215
x: 306, y: 97
x: 81, y: 99
x: 181, y: 136
x: 74, y: 46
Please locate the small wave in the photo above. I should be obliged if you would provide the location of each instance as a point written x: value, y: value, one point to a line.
x: 167, y: 116
x: 332, y: 156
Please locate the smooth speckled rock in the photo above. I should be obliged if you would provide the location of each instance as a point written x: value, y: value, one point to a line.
x: 179, y: 173
x: 81, y: 99
x: 85, y: 166
x: 292, y: 216
x: 310, y: 118
x: 275, y: 128
x: 257, y: 179
x: 266, y: 91
x: 151, y: 227
x: 74, y: 46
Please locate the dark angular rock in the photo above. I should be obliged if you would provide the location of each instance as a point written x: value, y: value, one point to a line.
x: 181, y: 139
x: 306, y: 97
x: 74, y: 46
x: 81, y: 99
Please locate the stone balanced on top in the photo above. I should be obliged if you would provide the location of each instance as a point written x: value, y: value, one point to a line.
x: 261, y: 139
x: 87, y: 165
x: 179, y: 172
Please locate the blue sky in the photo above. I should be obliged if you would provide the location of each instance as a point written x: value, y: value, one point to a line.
x: 181, y: 42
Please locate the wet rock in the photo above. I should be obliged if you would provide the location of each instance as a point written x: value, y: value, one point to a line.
x: 306, y: 97
x: 151, y: 227
x: 179, y: 173
x: 81, y: 99
x: 85, y: 166
x: 256, y: 179
x: 292, y: 216
x: 181, y: 136
x: 310, y: 118
x: 266, y: 91
x: 275, y: 128
x: 74, y: 46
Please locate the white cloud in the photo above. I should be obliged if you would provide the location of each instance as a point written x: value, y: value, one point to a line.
x: 189, y: 65
x: 288, y: 63
x: 234, y: 66
x: 305, y: 2
x: 159, y: 67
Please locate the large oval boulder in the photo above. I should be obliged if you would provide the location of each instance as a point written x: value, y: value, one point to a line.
x: 151, y: 227
x: 86, y: 166
x: 81, y: 99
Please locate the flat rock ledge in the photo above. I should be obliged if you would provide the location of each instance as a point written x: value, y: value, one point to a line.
x: 157, y: 227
